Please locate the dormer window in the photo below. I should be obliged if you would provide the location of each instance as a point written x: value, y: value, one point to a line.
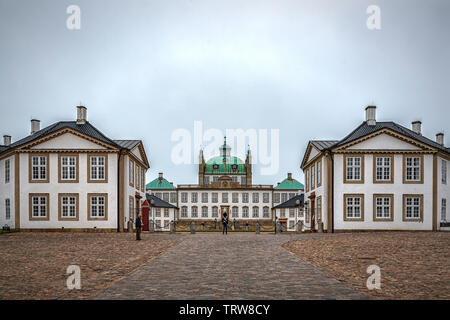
x: 215, y: 167
x: 234, y: 167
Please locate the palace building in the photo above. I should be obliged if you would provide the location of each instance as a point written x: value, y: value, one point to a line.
x: 70, y: 176
x: 225, y: 185
x: 381, y: 176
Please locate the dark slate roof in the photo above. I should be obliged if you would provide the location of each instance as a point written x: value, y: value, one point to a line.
x: 158, y: 202
x: 127, y: 144
x: 291, y: 203
x: 364, y: 129
x: 86, y: 129
x: 323, y: 144
x: 3, y: 148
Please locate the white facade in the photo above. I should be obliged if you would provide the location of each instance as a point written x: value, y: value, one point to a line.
x: 385, y: 177
x: 7, y: 203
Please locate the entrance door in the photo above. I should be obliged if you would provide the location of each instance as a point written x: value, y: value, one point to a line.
x: 145, y: 212
x: 313, y: 214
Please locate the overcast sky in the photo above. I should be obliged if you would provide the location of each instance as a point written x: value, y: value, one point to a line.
x: 145, y: 68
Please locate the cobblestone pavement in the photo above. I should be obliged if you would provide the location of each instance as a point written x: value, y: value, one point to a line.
x: 33, y: 265
x: 413, y: 265
x: 236, y: 266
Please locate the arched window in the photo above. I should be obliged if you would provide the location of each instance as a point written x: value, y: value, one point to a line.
x: 235, y: 212
x: 245, y: 212
x: 184, y: 212
x: 266, y: 213
x: 215, y: 212
x: 194, y: 212
x: 255, y: 212
x: 204, y: 212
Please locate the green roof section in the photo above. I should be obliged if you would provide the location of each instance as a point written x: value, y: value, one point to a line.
x: 290, y: 184
x: 159, y: 183
x: 217, y: 165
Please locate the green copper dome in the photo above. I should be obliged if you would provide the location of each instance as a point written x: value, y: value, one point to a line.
x: 287, y: 184
x: 231, y: 165
x: 159, y: 184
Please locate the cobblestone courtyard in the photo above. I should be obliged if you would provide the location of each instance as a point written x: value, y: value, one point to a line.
x: 212, y: 266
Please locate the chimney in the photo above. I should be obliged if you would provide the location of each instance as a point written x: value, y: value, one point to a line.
x: 439, y: 138
x: 370, y: 115
x: 6, y: 140
x: 160, y: 176
x: 417, y: 127
x: 81, y: 115
x: 289, y: 176
x: 35, y: 126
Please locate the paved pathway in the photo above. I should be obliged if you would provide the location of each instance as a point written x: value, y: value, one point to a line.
x: 237, y: 266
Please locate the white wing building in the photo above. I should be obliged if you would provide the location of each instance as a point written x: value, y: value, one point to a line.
x: 70, y: 176
x: 382, y: 176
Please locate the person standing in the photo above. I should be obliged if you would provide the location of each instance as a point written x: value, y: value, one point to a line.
x: 138, y: 226
x: 225, y: 223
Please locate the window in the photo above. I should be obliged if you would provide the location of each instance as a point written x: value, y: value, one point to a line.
x: 173, y: 197
x: 291, y: 224
x: 313, y: 177
x: 184, y: 212
x: 234, y: 179
x: 353, y: 169
x: 245, y: 197
x: 166, y: 224
x: 235, y: 212
x: 39, y: 169
x: 266, y: 197
x: 97, y: 206
x: 138, y: 176
x: 255, y: 197
x: 353, y: 207
x: 204, y: 212
x: 215, y: 197
x: 68, y: 207
x: 235, y: 196
x: 319, y: 209
x: 97, y: 169
x: 39, y: 209
x: 291, y: 195
x: 131, y: 173
x: 194, y: 213
x: 443, y: 209
x: 7, y: 170
x: 225, y: 197
x: 383, y: 169
x: 166, y: 212
x: 319, y: 173
x: 184, y: 197
x: 206, y: 180
x: 158, y: 224
x: 266, y: 212
x: 166, y: 196
x: 300, y: 212
x: 444, y: 172
x: 158, y: 212
x: 158, y: 195
x: 276, y: 197
x: 7, y: 209
x: 204, y: 197
x: 255, y: 212
x: 243, y: 180
x: 194, y: 197
x: 282, y: 213
x: 131, y: 207
x: 245, y: 212
x: 215, y: 212
x: 283, y: 197
x: 68, y: 165
x: 412, y: 207
x: 383, y: 207
x: 291, y: 213
x: 412, y: 171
